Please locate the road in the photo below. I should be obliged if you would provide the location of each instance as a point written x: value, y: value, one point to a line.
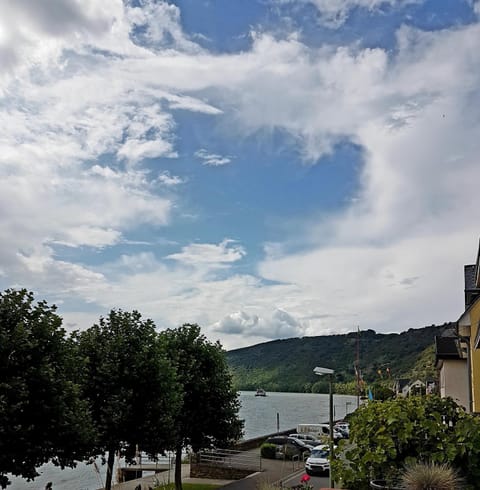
x: 315, y: 481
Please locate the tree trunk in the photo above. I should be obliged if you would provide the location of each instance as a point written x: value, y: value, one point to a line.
x: 178, y: 468
x: 110, y: 461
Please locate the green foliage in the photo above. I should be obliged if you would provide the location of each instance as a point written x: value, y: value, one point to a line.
x: 129, y: 384
x: 41, y: 415
x: 382, y: 390
x: 385, y: 436
x: 287, y: 365
x: 268, y: 450
x: 346, y: 388
x: 424, y: 367
x: 208, y: 412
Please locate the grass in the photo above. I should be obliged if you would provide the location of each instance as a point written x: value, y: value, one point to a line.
x: 429, y: 476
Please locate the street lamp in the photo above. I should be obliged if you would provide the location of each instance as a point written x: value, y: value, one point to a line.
x: 329, y: 372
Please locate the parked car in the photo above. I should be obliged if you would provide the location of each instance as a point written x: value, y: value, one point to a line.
x: 344, y: 428
x: 323, y: 430
x: 302, y: 445
x: 278, y: 440
x: 295, y: 444
x: 318, y: 463
x: 308, y: 438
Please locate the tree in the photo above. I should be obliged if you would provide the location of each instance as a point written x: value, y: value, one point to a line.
x: 386, y: 436
x: 382, y: 390
x: 41, y: 415
x: 130, y: 386
x: 208, y: 414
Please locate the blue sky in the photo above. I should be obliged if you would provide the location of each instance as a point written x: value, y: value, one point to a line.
x: 265, y: 168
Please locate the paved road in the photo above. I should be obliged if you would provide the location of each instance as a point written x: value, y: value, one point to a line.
x: 315, y: 481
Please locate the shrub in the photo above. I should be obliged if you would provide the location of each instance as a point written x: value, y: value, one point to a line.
x: 268, y: 450
x: 430, y: 476
x: 386, y: 436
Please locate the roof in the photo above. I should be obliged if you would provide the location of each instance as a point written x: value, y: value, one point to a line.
x: 446, y: 348
x: 401, y: 383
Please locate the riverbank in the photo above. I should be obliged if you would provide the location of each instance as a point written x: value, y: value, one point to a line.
x: 277, y: 412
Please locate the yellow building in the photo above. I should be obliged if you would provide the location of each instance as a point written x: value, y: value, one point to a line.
x: 469, y: 330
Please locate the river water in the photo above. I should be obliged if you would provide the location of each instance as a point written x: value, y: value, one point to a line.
x: 262, y: 415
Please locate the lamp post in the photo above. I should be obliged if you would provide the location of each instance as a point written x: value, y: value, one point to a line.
x: 329, y: 372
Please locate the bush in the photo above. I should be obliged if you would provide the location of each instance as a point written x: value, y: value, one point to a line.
x: 387, y: 436
x: 430, y: 476
x: 268, y: 450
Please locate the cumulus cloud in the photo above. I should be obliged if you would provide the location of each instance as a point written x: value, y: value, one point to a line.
x: 198, y: 254
x: 476, y: 7
x: 334, y: 13
x: 212, y: 159
x: 274, y: 325
x: 174, y: 295
x: 82, y: 106
x: 69, y: 101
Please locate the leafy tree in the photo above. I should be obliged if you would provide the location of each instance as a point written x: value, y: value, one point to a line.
x: 208, y: 414
x: 130, y: 386
x: 424, y: 367
x: 386, y: 436
x: 287, y: 364
x: 346, y: 388
x: 382, y: 390
x: 41, y: 415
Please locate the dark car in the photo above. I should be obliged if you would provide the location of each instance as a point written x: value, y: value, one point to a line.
x: 307, y: 439
x: 278, y: 440
x: 300, y: 446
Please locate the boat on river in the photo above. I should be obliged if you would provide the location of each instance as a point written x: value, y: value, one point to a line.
x: 260, y: 392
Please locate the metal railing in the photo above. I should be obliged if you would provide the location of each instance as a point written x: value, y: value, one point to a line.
x: 230, y: 458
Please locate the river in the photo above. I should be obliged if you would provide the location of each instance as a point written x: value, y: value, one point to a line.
x: 259, y: 413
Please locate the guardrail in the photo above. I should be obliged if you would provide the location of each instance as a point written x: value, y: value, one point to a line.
x: 230, y: 458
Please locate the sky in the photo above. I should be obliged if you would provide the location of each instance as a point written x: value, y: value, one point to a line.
x: 264, y: 168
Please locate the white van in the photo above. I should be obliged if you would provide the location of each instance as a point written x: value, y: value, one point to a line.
x: 318, y: 430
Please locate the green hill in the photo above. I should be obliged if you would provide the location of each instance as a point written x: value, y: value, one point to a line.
x: 287, y: 365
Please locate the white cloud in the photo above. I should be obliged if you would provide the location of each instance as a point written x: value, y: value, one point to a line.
x: 274, y: 325
x: 176, y: 293
x: 198, y: 254
x: 89, y: 236
x: 476, y: 7
x: 169, y: 180
x: 212, y: 159
x: 68, y: 99
x: 334, y: 13
x: 83, y: 103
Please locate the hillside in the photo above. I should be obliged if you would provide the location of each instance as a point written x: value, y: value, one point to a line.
x: 287, y: 365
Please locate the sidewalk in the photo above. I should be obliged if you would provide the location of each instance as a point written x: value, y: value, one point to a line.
x: 163, y: 478
x: 273, y: 471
